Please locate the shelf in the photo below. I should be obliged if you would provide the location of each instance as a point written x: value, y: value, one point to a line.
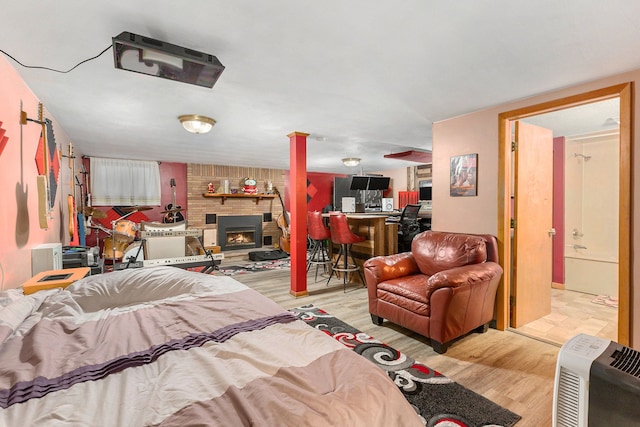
x: 224, y: 197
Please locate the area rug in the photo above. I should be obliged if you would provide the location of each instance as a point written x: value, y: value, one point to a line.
x: 606, y: 300
x: 254, y: 267
x: 440, y: 401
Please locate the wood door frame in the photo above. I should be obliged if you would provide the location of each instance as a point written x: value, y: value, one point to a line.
x: 624, y: 92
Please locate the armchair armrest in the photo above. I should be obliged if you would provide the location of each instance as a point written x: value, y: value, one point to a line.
x: 381, y: 268
x: 465, y: 275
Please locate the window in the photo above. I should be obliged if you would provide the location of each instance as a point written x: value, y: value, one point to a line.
x: 117, y: 182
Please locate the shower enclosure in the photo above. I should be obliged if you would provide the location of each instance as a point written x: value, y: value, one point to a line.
x: 591, y: 213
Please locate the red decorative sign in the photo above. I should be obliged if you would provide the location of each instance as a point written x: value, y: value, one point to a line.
x: 3, y: 139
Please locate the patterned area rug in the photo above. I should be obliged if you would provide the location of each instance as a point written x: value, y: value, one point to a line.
x: 254, y: 267
x: 606, y: 300
x: 440, y: 401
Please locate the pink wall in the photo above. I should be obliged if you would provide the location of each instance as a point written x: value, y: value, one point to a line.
x: 558, y: 209
x: 478, y: 133
x: 19, y: 227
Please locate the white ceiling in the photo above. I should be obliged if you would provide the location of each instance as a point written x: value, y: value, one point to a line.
x: 363, y: 78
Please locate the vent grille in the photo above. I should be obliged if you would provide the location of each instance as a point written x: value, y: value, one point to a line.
x: 627, y: 360
x: 567, y: 404
x: 154, y: 42
x: 194, y: 53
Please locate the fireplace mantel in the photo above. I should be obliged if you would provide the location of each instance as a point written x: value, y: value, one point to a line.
x: 224, y: 197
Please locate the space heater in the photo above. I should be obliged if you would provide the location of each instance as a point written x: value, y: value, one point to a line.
x: 597, y: 383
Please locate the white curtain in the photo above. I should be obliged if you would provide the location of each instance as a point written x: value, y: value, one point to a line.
x: 116, y: 182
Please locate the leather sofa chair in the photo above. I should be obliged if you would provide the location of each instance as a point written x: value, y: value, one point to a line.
x: 443, y: 288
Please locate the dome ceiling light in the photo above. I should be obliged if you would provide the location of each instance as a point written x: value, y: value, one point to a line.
x: 351, y: 161
x: 196, y: 124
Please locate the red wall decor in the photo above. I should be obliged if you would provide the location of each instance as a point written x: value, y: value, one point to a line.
x: 48, y: 161
x: 3, y: 139
x: 319, y: 190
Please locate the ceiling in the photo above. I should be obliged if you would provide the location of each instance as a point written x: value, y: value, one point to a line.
x: 363, y: 78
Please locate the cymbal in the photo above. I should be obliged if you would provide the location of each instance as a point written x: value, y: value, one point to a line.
x: 99, y: 227
x: 96, y: 213
x: 172, y: 210
x: 135, y: 208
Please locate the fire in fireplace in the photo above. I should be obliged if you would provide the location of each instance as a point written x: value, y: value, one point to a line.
x: 239, y: 232
x: 240, y: 237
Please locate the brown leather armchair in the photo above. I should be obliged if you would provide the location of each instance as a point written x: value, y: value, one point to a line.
x: 444, y: 288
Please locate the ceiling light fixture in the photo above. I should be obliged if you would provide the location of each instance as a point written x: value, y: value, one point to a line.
x: 351, y: 161
x: 196, y: 124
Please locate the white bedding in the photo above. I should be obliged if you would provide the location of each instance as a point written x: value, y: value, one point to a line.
x: 164, y: 346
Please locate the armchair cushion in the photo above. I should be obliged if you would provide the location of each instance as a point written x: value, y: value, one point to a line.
x: 407, y: 292
x: 443, y: 251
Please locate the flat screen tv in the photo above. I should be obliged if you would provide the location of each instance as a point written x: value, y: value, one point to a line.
x: 379, y: 183
x: 359, y: 182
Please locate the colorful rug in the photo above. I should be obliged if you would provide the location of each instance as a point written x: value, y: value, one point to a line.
x: 606, y: 300
x: 254, y: 267
x: 440, y: 401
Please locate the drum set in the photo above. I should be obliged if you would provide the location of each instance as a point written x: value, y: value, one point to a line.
x: 120, y: 242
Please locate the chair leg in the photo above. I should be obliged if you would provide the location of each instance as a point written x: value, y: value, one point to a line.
x: 439, y: 347
x: 325, y: 254
x: 377, y: 320
x: 482, y: 328
x: 314, y: 250
x: 359, y: 272
x: 319, y: 246
x: 325, y: 257
x: 335, y: 264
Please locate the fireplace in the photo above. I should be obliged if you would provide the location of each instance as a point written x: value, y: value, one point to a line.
x: 239, y: 232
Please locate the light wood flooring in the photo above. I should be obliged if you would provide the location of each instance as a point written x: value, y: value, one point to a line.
x: 573, y: 313
x: 510, y: 369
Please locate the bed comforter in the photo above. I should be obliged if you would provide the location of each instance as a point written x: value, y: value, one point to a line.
x: 167, y: 347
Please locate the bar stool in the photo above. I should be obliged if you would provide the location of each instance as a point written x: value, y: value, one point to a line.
x: 318, y: 234
x: 341, y: 234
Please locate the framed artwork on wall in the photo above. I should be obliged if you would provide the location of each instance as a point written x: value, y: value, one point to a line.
x: 463, y: 175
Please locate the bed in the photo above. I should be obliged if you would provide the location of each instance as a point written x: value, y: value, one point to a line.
x: 163, y: 346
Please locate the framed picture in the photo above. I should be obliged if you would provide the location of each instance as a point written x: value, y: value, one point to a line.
x: 463, y: 175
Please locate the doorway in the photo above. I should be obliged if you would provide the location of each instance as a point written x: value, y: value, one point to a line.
x: 507, y: 303
x: 580, y: 278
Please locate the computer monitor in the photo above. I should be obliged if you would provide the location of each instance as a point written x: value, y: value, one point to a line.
x: 379, y: 183
x: 359, y: 182
x: 425, y: 193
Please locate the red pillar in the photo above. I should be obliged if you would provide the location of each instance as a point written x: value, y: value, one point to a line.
x: 298, y: 207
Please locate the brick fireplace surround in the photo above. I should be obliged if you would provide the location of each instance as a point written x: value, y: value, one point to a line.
x: 198, y: 206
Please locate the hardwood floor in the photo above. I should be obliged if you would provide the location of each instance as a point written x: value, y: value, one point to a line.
x: 573, y: 313
x: 510, y: 369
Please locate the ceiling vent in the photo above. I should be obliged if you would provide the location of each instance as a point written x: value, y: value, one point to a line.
x: 145, y: 55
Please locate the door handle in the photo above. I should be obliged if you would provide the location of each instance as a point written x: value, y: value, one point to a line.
x: 552, y: 232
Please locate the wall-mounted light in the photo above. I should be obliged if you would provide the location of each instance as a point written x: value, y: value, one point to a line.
x: 196, y: 124
x: 351, y: 161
